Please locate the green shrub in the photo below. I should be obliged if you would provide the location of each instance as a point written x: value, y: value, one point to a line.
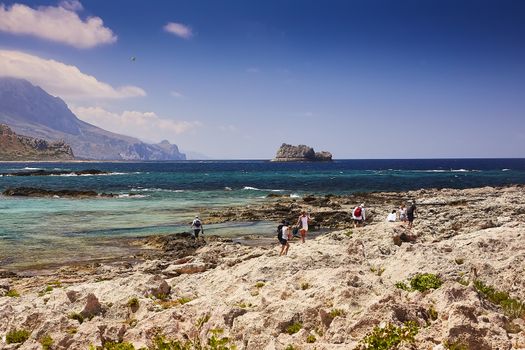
x: 459, y: 261
x: 294, y: 328
x: 402, y: 285
x: 432, y: 313
x: 184, y: 300
x: 425, y: 281
x: 513, y: 308
x: 457, y: 345
x: 76, y: 316
x: 17, y: 336
x: 290, y: 347
x: 46, y: 341
x: 118, y: 346
x: 133, y: 303
x: 305, y: 286
x: 13, y: 293
x: 259, y: 284
x: 310, y: 339
x: 348, y: 233
x: 336, y: 312
x: 389, y: 337
x: 202, y: 320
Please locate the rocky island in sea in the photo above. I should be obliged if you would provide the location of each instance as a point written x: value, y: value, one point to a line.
x: 300, y: 153
x: 457, y: 283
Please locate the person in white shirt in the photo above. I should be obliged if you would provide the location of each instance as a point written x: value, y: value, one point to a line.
x: 392, y: 217
x: 285, y: 232
x: 196, y: 225
x: 358, y: 214
x: 302, y: 222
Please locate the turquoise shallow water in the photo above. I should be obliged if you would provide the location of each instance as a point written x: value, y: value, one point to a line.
x: 168, y: 195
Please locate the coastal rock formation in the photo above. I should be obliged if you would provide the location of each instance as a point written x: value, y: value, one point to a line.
x: 42, y: 172
x: 329, y: 293
x: 17, y: 147
x: 40, y: 192
x: 31, y: 111
x: 289, y: 153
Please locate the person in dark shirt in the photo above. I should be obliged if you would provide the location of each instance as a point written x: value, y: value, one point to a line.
x: 411, y: 213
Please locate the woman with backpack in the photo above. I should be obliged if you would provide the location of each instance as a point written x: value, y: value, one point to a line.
x: 358, y: 215
x: 283, y: 231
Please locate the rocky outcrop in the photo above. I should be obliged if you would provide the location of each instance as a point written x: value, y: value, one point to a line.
x: 42, y: 172
x: 31, y: 111
x: 40, y: 192
x: 301, y: 153
x: 328, y: 293
x: 15, y: 147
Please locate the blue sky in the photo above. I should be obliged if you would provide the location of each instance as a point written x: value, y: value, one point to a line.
x: 235, y: 79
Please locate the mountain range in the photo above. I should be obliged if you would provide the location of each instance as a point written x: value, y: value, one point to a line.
x: 31, y: 111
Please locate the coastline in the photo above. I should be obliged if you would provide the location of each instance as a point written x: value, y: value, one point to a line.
x: 334, y: 288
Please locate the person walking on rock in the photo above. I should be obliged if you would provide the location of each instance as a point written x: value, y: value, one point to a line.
x: 411, y: 213
x: 283, y: 231
x: 359, y: 216
x: 196, y: 225
x: 403, y: 213
x: 302, y: 222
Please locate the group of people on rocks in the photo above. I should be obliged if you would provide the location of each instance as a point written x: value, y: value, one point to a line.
x: 403, y: 214
x: 285, y: 231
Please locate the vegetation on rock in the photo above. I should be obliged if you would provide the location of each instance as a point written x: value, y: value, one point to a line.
x: 389, y: 337
x: 17, y: 336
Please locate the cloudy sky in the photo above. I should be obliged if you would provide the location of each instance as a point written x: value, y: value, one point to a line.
x: 235, y: 79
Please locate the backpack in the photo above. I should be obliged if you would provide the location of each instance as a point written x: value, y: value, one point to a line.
x: 280, y: 231
x: 197, y: 224
x: 357, y: 212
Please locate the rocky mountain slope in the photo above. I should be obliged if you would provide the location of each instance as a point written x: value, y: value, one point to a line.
x: 31, y: 111
x: 289, y: 153
x: 457, y: 285
x: 17, y: 147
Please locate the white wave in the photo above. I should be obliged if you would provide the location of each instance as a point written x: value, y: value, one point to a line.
x: 127, y: 195
x: 505, y: 169
x: 155, y: 190
x: 295, y: 195
x: 459, y: 170
x: 250, y: 188
x: 29, y: 168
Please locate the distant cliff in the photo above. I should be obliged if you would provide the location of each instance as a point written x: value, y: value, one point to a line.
x: 31, y: 111
x: 301, y: 153
x: 17, y: 147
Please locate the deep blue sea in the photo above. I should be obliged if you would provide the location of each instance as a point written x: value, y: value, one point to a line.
x: 168, y: 194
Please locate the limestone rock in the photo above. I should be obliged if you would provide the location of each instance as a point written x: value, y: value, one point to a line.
x: 289, y: 153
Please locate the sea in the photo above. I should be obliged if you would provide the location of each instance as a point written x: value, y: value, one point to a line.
x: 163, y: 198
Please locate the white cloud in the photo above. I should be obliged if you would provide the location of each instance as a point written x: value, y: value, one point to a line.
x: 59, y: 79
x: 179, y: 30
x: 143, y: 125
x: 72, y: 5
x: 60, y: 24
x: 176, y: 94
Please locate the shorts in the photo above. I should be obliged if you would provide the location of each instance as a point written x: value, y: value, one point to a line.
x: 283, y: 241
x: 196, y: 232
x: 410, y: 217
x: 357, y: 221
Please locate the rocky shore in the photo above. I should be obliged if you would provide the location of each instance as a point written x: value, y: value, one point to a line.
x: 458, y: 283
x: 40, y: 192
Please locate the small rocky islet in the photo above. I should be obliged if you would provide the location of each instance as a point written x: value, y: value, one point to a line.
x: 458, y: 284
